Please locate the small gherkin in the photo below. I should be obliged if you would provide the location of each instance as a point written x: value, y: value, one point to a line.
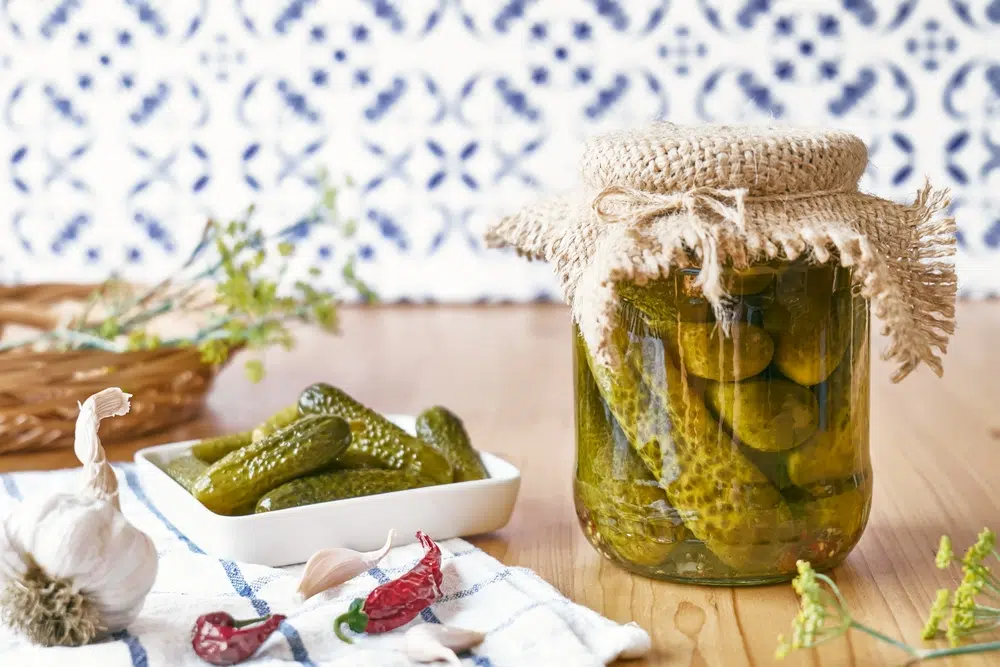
x: 443, y: 430
x: 769, y: 415
x: 708, y: 351
x: 679, y: 292
x: 338, y: 485
x: 811, y: 333
x: 839, y: 449
x: 375, y: 441
x: 238, y: 480
x: 623, y: 499
x: 185, y: 470
x: 724, y: 499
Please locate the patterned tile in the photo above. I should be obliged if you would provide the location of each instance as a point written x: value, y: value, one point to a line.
x: 126, y: 122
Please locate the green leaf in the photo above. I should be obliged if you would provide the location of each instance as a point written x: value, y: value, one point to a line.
x: 214, y: 352
x: 109, y: 329
x: 255, y: 370
x: 286, y: 249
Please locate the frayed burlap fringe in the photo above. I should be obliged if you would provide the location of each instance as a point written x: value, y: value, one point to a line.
x: 900, y: 254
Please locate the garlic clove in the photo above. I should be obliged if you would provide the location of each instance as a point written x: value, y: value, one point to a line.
x: 331, y: 567
x: 99, y: 477
x: 430, y: 642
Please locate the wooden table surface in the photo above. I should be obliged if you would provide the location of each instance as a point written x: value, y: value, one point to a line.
x: 506, y: 371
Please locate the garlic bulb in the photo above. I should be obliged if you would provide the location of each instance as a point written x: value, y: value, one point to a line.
x: 71, y: 565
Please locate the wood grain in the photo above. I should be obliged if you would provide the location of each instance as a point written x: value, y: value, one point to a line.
x: 506, y: 371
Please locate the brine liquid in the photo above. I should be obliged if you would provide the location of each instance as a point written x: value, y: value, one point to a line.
x: 724, y: 446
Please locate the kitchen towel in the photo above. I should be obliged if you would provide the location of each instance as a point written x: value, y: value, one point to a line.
x: 527, y: 622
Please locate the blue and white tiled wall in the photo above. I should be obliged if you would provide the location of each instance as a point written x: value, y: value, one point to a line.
x: 124, y: 122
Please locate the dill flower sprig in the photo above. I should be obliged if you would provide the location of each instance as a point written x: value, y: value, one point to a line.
x: 823, y: 614
x: 233, y: 284
x: 975, y: 603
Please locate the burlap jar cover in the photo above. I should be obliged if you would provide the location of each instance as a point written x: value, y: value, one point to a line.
x: 672, y: 196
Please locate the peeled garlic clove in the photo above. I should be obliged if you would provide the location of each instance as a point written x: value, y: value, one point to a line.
x: 431, y: 642
x: 330, y: 567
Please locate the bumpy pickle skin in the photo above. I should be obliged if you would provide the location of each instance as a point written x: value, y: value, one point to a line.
x: 770, y: 415
x: 709, y: 352
x: 724, y: 499
x: 810, y: 324
x: 338, y: 485
x: 276, y: 422
x: 376, y: 442
x: 840, y: 449
x: 240, y: 478
x: 731, y: 502
x: 622, y: 501
x: 211, y: 450
x: 185, y: 470
x: 443, y: 430
x: 680, y: 291
x: 669, y: 298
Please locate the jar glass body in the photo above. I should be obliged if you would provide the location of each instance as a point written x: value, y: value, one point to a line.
x: 721, y: 451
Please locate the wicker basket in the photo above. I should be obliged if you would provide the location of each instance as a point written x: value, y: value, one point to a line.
x: 40, y: 391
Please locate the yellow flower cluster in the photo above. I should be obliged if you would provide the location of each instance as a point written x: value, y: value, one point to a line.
x: 816, y: 607
x: 975, y: 607
x: 967, y: 617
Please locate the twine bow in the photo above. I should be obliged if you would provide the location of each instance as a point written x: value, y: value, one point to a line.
x: 617, y: 203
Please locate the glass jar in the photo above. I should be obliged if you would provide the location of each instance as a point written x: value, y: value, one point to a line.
x: 721, y: 447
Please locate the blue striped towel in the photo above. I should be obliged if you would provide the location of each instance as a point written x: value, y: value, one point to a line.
x: 527, y: 622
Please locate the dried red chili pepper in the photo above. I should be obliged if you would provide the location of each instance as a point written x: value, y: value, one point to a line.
x: 397, y: 602
x: 219, y: 639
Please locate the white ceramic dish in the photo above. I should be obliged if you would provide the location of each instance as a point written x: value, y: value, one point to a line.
x: 291, y: 536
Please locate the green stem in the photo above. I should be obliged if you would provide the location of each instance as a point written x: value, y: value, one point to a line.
x: 980, y: 628
x: 77, y: 338
x: 250, y: 621
x: 889, y: 640
x: 355, y: 618
x: 992, y: 582
x: 338, y: 630
x: 925, y: 654
x: 145, y: 316
x: 92, y: 300
x: 959, y: 650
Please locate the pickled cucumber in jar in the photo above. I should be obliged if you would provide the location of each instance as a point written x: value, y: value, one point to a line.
x: 810, y: 323
x: 770, y: 415
x: 620, y: 502
x: 732, y: 430
x: 839, y: 448
x: 724, y: 499
x: 708, y: 350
